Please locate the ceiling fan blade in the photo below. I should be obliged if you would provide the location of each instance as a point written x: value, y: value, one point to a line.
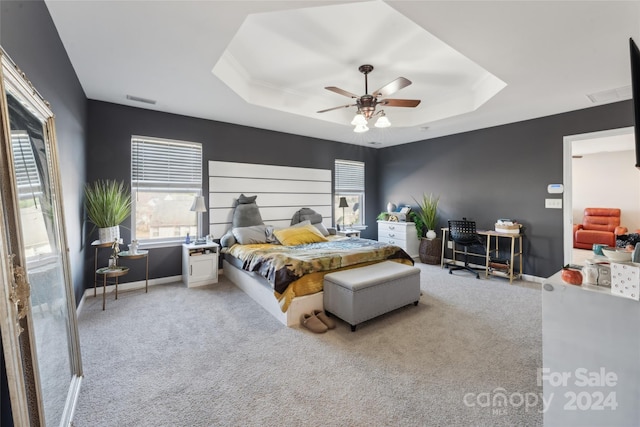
x: 336, y: 108
x: 392, y: 87
x: 400, y: 102
x: 341, y: 91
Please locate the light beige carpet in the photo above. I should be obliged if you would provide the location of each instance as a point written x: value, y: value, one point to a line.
x: 211, y: 356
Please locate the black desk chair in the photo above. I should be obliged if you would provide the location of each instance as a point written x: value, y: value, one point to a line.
x: 463, y: 233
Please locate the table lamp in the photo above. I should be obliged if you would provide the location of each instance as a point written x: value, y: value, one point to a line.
x: 198, y: 206
x: 343, y: 204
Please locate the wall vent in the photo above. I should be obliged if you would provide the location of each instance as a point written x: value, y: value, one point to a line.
x: 611, y: 95
x: 138, y: 99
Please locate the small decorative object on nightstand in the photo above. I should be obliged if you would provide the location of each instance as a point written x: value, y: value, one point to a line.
x: 200, y: 264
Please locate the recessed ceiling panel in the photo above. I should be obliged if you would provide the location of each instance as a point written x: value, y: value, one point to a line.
x: 283, y: 60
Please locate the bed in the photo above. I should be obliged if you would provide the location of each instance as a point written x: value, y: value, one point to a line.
x: 287, y: 280
x: 275, y: 196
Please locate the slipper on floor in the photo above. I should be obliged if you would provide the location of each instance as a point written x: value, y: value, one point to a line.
x: 312, y: 323
x: 329, y: 322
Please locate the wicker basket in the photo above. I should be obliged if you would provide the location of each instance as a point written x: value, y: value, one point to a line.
x: 430, y: 250
x: 509, y: 229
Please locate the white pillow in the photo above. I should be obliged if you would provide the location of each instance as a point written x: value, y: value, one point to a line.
x: 321, y: 228
x: 250, y: 235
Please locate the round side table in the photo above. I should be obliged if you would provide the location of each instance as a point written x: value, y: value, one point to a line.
x: 110, y: 272
x: 139, y: 254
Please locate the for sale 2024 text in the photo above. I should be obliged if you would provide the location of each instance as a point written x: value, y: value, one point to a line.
x: 591, y: 390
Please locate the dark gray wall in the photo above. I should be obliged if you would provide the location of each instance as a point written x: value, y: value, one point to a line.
x: 29, y: 37
x: 108, y: 156
x: 499, y: 172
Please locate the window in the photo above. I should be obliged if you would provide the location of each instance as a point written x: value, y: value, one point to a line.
x: 33, y: 207
x: 165, y: 178
x: 349, y: 183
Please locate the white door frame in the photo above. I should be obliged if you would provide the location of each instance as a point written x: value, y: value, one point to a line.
x: 567, y: 215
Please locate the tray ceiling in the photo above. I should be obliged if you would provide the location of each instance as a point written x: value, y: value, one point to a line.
x: 550, y: 56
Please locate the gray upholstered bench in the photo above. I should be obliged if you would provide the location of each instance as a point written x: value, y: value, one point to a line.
x: 363, y: 293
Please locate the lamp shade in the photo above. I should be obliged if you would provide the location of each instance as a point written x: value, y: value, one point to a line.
x: 343, y: 203
x: 198, y: 204
x: 361, y: 128
x: 382, y: 122
x: 359, y: 120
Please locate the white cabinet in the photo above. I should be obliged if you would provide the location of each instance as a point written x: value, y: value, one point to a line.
x: 590, y: 356
x: 200, y: 264
x: 401, y: 234
x: 348, y: 233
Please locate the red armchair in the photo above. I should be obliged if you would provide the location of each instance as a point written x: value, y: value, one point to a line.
x: 600, y: 225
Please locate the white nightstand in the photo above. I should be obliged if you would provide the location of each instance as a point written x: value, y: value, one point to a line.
x: 200, y: 264
x: 348, y: 233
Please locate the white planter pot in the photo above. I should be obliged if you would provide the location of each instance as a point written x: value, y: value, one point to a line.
x: 109, y: 234
x: 431, y: 234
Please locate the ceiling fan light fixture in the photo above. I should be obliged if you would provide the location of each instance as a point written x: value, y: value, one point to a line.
x: 366, y: 104
x: 359, y: 120
x: 361, y: 128
x: 382, y: 122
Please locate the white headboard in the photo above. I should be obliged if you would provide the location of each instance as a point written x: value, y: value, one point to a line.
x: 281, y: 191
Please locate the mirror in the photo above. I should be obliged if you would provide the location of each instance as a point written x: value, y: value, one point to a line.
x: 48, y: 364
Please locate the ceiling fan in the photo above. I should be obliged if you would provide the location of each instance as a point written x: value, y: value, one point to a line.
x: 367, y: 103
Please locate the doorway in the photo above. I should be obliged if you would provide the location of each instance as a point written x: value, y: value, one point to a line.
x: 613, y: 151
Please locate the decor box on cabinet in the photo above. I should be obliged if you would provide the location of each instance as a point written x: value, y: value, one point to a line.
x: 401, y: 234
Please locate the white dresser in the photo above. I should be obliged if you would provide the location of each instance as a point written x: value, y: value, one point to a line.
x: 401, y: 234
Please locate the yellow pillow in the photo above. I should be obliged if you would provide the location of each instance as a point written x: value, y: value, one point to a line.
x: 299, y: 235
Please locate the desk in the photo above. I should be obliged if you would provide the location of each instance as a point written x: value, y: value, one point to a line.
x: 492, y: 236
x: 110, y: 272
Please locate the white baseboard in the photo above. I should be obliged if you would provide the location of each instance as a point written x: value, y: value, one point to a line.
x: 526, y: 277
x: 129, y: 286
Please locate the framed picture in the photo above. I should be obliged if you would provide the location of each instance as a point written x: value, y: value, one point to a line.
x: 405, y: 210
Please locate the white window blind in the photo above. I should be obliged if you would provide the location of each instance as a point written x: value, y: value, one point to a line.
x: 349, y: 176
x: 165, y: 164
x: 27, y: 176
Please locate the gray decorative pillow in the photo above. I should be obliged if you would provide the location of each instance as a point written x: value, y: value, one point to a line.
x: 246, y: 213
x: 228, y: 239
x: 304, y: 214
x: 250, y: 235
x: 243, y: 200
x: 271, y: 238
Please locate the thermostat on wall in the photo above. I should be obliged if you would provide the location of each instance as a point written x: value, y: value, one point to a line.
x: 555, y: 188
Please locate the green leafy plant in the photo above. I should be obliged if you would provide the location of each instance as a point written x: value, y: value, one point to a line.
x: 108, y: 203
x: 428, y: 210
x: 421, y: 229
x: 383, y: 216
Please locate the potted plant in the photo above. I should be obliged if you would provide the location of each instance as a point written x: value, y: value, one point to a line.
x: 426, y: 219
x: 108, y: 204
x: 421, y: 229
x: 383, y: 216
x: 428, y: 213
